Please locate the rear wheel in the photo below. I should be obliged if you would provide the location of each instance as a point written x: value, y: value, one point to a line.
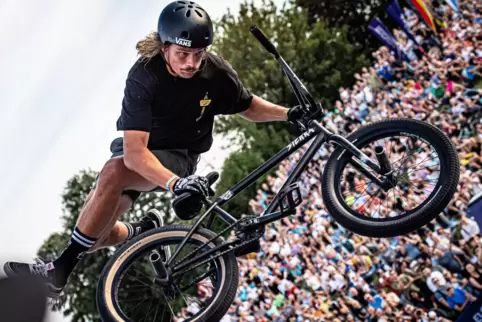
x: 128, y: 290
x: 425, y: 167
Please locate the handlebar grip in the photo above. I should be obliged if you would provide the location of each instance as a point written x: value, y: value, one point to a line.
x: 268, y: 45
x: 212, y: 177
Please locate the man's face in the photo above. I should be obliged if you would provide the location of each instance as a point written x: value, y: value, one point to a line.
x: 426, y: 272
x: 368, y: 298
x: 185, y: 62
x: 409, y: 309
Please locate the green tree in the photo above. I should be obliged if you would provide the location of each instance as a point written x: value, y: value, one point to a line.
x: 354, y: 15
x: 321, y: 56
x: 78, y: 299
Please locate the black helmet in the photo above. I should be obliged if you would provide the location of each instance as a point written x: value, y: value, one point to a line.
x: 186, y: 24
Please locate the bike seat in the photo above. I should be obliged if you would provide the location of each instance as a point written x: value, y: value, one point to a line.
x: 187, y: 205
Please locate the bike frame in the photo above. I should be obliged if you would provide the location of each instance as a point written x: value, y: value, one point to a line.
x: 313, y: 130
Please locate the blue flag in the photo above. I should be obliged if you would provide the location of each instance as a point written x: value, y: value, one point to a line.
x: 474, y: 208
x: 377, y: 27
x: 453, y: 4
x: 396, y: 13
x: 472, y: 312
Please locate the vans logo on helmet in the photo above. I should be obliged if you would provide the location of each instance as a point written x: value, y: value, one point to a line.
x: 183, y: 42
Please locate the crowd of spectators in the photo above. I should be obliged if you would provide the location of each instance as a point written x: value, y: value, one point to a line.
x: 312, y: 269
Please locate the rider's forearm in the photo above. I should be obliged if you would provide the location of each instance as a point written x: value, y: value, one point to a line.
x: 261, y: 110
x: 146, y: 164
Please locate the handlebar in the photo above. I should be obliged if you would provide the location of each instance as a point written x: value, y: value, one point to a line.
x: 187, y: 206
x: 268, y: 45
x: 212, y: 178
x: 311, y: 108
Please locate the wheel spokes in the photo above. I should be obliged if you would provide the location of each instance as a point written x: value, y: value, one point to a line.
x: 142, y: 296
x: 410, y: 166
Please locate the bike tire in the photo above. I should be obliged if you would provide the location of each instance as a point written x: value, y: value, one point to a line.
x: 439, y: 199
x: 216, y: 309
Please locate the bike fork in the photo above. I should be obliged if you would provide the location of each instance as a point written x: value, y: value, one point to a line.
x: 383, y: 167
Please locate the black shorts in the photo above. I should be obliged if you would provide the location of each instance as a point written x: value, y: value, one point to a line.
x: 179, y: 161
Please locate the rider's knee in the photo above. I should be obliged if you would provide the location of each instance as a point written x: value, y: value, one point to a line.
x: 112, y: 173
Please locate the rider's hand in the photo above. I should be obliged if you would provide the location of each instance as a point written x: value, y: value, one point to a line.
x: 192, y: 184
x: 295, y: 113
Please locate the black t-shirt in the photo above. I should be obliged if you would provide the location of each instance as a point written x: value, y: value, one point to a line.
x: 179, y: 113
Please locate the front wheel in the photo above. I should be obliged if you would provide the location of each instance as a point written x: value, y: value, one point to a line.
x: 425, y: 175
x: 129, y: 292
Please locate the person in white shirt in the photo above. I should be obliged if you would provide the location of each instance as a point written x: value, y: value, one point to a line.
x: 470, y: 228
x: 435, y: 279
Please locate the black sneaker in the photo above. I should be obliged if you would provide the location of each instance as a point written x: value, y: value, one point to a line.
x: 155, y: 216
x: 46, y: 271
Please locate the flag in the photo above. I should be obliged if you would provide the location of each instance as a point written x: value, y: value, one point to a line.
x: 453, y: 4
x: 377, y: 27
x: 396, y: 13
x: 426, y: 15
x: 474, y: 209
x: 472, y: 311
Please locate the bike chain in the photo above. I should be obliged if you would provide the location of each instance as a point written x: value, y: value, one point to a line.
x: 241, y: 222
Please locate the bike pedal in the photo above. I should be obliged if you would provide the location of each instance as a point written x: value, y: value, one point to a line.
x: 290, y: 198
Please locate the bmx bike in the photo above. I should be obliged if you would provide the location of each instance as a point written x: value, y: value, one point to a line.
x: 161, y: 264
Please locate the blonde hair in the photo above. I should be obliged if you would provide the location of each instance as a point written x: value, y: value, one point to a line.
x: 150, y: 46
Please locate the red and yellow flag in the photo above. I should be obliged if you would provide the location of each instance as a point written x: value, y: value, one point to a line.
x: 425, y: 13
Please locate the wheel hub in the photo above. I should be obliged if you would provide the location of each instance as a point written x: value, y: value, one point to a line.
x: 389, y: 181
x: 403, y: 178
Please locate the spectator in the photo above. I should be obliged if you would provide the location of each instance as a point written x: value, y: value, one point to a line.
x: 310, y: 268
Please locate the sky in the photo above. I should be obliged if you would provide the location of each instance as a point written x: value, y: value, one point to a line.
x: 63, y: 67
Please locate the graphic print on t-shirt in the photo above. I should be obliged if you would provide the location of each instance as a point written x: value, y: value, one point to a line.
x: 203, y: 103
